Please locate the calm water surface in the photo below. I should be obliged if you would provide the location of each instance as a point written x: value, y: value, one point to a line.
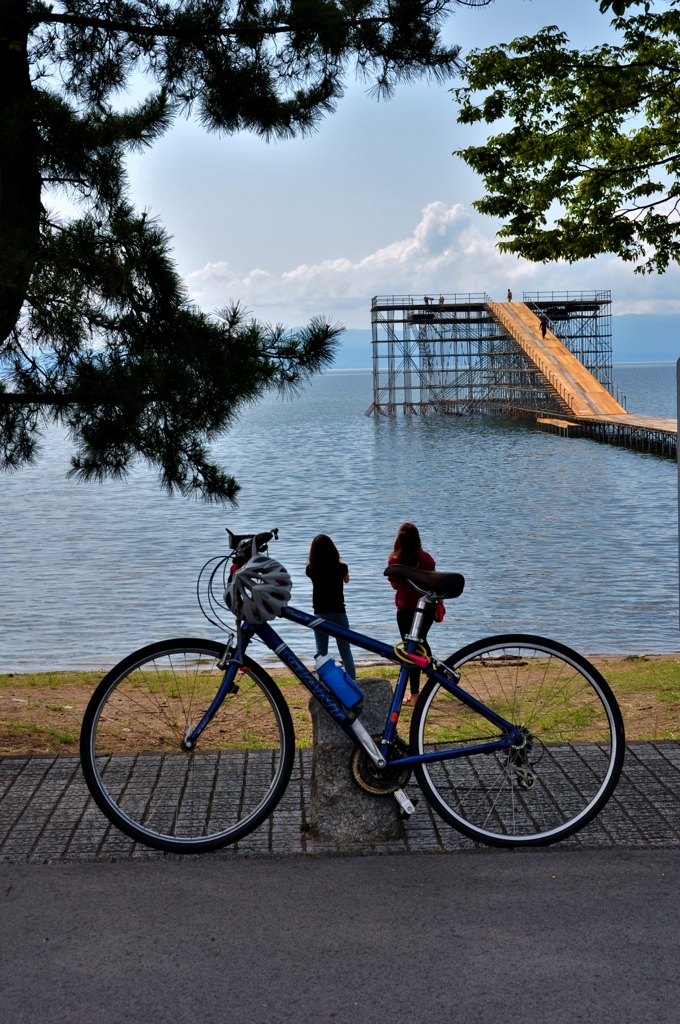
x: 563, y: 537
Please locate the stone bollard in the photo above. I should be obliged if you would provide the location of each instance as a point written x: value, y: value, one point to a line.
x: 340, y: 810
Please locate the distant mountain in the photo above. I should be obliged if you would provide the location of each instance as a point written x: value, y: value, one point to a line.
x: 636, y: 338
x: 355, y: 352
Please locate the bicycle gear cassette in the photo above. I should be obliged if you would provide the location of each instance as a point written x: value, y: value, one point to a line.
x: 381, y: 781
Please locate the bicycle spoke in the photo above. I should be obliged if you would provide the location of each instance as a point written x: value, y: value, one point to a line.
x: 523, y: 793
x: 166, y: 794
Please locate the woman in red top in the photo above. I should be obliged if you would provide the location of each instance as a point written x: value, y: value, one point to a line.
x: 408, y: 550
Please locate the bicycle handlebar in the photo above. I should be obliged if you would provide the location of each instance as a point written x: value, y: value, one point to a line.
x: 242, y: 544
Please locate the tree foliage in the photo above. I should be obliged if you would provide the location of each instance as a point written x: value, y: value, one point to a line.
x: 588, y: 159
x: 96, y: 330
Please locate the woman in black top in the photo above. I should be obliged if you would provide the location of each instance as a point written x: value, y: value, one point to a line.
x: 328, y: 574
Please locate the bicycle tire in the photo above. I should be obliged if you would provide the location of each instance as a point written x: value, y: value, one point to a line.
x: 569, y: 767
x: 156, y: 792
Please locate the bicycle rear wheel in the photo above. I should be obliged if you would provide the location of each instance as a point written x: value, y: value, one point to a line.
x: 169, y: 798
x: 572, y: 756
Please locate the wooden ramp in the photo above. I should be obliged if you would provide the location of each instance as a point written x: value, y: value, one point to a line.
x: 582, y: 393
x: 586, y: 403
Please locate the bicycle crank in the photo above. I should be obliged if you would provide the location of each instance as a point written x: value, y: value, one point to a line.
x: 381, y: 781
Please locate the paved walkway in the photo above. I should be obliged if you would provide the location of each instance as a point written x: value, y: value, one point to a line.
x: 551, y: 936
x: 47, y: 815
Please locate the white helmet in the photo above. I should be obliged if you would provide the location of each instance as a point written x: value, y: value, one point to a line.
x: 259, y: 591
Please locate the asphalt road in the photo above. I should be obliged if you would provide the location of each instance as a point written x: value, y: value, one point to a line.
x: 535, y: 936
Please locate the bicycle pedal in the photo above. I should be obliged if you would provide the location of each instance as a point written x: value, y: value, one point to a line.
x: 406, y: 808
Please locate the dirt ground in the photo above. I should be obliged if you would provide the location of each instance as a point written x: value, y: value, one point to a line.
x: 41, y: 713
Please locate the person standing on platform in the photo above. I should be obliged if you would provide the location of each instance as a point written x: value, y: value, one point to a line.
x: 544, y: 326
x: 328, y: 574
x: 509, y: 295
x: 408, y: 550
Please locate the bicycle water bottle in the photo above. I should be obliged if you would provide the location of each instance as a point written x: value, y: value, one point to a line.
x: 338, y: 682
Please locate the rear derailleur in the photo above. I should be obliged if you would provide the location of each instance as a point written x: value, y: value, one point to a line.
x: 518, y: 761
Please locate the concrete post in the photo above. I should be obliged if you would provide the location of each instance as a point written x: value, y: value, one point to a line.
x: 340, y: 810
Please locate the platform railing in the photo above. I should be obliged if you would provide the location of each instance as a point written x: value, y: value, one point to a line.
x: 431, y: 302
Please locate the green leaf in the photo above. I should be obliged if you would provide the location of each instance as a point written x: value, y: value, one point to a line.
x: 588, y: 161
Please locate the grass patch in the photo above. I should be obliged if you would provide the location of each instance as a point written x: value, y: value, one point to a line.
x: 647, y: 688
x: 41, y: 712
x: 49, y: 680
x: 22, y: 729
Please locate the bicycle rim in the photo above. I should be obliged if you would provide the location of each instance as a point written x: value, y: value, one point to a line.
x: 159, y: 793
x: 573, y: 749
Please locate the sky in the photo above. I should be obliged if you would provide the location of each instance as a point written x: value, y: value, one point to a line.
x: 373, y: 203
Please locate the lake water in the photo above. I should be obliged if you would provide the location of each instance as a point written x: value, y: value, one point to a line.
x: 563, y: 537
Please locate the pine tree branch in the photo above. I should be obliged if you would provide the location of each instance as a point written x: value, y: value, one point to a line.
x: 57, y: 400
x: 19, y: 174
x: 134, y: 28
x: 96, y: 330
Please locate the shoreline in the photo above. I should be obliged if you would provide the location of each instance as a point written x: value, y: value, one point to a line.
x: 41, y: 712
x: 270, y: 662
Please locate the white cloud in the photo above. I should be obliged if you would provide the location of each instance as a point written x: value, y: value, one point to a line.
x: 451, y: 250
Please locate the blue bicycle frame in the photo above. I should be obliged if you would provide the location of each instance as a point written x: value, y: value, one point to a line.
x: 512, y: 734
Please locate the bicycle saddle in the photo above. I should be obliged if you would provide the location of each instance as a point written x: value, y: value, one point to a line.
x: 444, y: 584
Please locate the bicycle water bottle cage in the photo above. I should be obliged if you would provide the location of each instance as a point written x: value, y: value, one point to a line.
x: 342, y: 686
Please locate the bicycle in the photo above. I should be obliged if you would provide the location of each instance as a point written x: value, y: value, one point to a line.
x: 188, y: 745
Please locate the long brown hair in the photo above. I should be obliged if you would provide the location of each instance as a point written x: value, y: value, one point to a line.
x: 323, y: 553
x: 407, y: 546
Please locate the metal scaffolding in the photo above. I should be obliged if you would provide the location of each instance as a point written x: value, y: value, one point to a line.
x: 583, y: 322
x: 457, y: 354
x: 447, y: 354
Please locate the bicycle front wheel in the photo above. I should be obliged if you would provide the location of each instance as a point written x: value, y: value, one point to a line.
x: 148, y: 785
x: 562, y: 773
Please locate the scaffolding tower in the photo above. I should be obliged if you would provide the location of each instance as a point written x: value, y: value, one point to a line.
x: 583, y: 322
x: 448, y: 354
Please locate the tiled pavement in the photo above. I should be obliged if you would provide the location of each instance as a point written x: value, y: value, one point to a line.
x: 47, y: 815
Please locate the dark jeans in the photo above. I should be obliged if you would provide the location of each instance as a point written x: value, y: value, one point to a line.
x: 338, y: 619
x: 404, y: 620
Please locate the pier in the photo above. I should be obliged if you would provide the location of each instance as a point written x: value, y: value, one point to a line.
x: 466, y: 355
